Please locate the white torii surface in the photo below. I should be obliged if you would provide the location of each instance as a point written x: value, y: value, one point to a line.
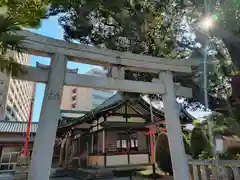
x: 45, y: 46
x: 40, y: 75
x: 56, y: 76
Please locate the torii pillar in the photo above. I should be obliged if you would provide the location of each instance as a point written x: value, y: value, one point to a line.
x: 40, y: 166
x: 175, y: 140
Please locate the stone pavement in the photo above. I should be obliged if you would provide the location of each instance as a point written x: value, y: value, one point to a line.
x: 10, y: 177
x: 66, y: 178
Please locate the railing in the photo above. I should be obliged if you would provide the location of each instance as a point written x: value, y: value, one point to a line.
x: 214, y: 170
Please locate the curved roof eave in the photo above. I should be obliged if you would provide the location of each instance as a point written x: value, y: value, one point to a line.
x: 114, y: 102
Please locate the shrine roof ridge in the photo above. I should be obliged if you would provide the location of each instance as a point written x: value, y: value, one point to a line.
x: 115, y: 101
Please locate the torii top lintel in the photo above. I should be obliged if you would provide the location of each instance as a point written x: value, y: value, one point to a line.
x: 45, y: 46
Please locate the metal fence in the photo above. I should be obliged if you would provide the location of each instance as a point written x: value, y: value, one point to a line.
x: 215, y: 170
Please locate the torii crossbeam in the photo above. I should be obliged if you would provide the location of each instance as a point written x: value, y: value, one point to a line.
x: 56, y: 76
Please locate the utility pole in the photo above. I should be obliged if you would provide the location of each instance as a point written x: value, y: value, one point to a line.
x: 205, y: 76
x: 207, y: 6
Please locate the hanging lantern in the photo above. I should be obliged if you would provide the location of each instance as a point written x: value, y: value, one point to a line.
x: 235, y: 88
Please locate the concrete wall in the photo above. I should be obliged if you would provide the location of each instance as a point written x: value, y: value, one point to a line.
x: 4, y: 85
x: 139, y: 158
x: 83, y: 98
x: 116, y: 119
x: 8, y: 138
x: 116, y: 160
x: 96, y: 160
x: 67, y: 98
x: 122, y: 119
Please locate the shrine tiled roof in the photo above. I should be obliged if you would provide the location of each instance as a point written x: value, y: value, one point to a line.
x: 113, y: 102
x: 16, y: 127
x: 138, y: 103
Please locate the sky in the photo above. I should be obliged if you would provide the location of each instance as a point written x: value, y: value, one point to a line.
x: 50, y: 28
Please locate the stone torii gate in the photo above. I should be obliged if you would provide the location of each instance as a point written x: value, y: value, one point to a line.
x: 56, y: 76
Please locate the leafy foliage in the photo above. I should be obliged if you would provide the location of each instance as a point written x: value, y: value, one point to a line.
x: 222, y: 126
x: 136, y: 26
x: 156, y: 28
x: 162, y: 154
x: 24, y: 13
x: 186, y: 144
x: 199, y: 143
x: 9, y: 42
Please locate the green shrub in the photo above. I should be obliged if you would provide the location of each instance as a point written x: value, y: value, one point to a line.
x: 199, y: 143
x: 162, y: 152
x: 186, y: 144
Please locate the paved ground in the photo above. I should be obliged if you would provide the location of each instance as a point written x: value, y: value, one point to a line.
x: 79, y: 179
x: 10, y: 177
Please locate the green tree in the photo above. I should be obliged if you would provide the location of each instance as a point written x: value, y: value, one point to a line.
x: 225, y: 38
x: 222, y: 126
x: 9, y: 42
x: 153, y: 28
x: 157, y: 28
x: 25, y: 13
x: 14, y: 15
x: 136, y: 26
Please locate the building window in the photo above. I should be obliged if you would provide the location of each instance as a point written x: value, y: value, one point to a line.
x: 133, y: 144
x: 124, y: 142
x: 74, y: 98
x: 74, y: 91
x: 74, y: 105
x: 9, y: 109
x: 10, y: 99
x: 8, y: 160
x: 13, y: 114
x: 122, y: 145
x: 12, y: 89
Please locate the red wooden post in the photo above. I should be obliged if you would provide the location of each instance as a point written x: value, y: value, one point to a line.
x: 150, y: 133
x: 29, y: 123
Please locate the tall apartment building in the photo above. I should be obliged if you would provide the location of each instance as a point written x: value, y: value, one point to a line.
x: 15, y: 95
x: 99, y: 96
x: 76, y: 98
x: 84, y: 99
